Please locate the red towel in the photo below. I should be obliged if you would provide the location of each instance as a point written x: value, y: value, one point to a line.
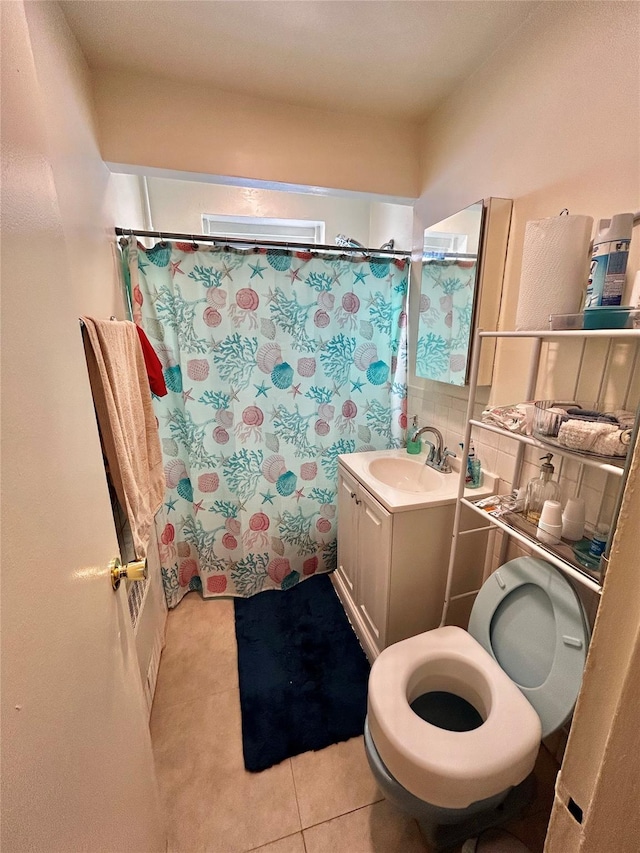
x: 152, y: 365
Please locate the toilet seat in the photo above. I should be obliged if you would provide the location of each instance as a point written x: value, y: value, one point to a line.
x: 520, y: 665
x: 444, y: 768
x: 529, y: 618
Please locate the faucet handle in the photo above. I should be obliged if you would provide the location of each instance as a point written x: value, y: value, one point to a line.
x: 446, y: 467
x: 431, y: 447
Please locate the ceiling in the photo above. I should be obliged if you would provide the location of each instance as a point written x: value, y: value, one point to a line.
x: 393, y: 58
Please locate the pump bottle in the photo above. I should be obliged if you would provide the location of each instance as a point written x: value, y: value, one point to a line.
x: 541, y: 489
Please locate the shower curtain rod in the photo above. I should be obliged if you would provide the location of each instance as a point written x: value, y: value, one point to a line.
x: 211, y: 238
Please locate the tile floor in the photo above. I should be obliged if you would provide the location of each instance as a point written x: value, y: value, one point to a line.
x: 319, y: 802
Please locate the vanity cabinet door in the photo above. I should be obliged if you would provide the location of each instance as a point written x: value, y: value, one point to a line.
x: 348, y: 514
x: 374, y: 565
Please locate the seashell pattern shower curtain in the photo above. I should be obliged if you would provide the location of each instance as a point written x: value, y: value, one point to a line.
x: 275, y: 362
x: 444, y: 319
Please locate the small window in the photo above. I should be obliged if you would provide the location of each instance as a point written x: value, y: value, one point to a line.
x: 308, y: 231
x: 438, y: 244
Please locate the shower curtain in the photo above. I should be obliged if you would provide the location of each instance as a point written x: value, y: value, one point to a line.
x: 275, y: 363
x: 445, y: 313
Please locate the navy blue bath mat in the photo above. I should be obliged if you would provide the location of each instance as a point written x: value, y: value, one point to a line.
x: 303, y: 675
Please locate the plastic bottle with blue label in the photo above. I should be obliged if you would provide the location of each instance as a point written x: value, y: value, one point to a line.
x: 609, y: 261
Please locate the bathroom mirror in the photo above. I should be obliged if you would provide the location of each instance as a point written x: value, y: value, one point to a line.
x: 463, y: 259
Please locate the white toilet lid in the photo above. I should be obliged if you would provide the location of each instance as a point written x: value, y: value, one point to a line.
x: 531, y: 621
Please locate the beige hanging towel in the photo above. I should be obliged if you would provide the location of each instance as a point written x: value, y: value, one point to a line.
x: 127, y: 423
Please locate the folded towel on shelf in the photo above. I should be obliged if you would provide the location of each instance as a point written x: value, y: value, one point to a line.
x: 514, y: 418
x: 605, y: 439
x: 126, y: 420
x: 592, y: 414
x: 625, y: 419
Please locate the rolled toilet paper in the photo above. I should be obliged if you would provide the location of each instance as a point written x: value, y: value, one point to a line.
x: 555, y: 269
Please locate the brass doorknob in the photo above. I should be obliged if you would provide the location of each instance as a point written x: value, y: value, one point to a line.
x: 132, y: 571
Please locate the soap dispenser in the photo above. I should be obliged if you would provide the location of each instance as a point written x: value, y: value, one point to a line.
x: 541, y: 489
x: 414, y: 447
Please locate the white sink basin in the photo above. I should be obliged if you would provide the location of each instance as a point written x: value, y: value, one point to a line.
x: 402, y: 482
x: 408, y: 475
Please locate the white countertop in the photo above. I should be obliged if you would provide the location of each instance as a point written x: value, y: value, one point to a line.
x: 398, y: 500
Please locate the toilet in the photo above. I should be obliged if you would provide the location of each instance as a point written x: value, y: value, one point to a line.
x: 455, y: 718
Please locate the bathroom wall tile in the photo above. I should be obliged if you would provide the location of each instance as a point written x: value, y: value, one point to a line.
x: 492, y: 439
x: 505, y: 466
x: 488, y: 457
x: 290, y: 844
x: 459, y: 403
x: 592, y: 503
x: 533, y: 454
x: 507, y: 445
x: 453, y: 440
x: 211, y: 802
x: 595, y: 479
x: 333, y: 781
x: 379, y: 828
x: 200, y: 655
x: 515, y: 550
x: 529, y: 472
x: 570, y: 470
x: 455, y: 420
x: 441, y: 413
x: 505, y: 486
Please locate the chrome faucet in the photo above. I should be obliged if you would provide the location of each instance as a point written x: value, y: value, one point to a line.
x: 438, y: 455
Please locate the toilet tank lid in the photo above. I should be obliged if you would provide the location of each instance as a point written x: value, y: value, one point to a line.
x: 530, y: 619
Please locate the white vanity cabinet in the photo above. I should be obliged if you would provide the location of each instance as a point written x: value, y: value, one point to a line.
x: 392, y: 565
x: 364, y: 555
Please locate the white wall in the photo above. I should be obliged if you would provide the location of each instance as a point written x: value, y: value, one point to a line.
x: 152, y: 122
x: 551, y: 120
x: 83, y: 182
x: 178, y: 206
x: 389, y: 221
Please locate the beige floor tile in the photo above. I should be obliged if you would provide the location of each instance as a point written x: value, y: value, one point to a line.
x: 211, y: 802
x: 333, y: 781
x: 379, y: 828
x: 200, y: 656
x: 290, y: 844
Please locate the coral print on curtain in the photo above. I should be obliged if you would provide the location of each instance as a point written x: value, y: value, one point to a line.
x: 446, y: 308
x: 276, y: 362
